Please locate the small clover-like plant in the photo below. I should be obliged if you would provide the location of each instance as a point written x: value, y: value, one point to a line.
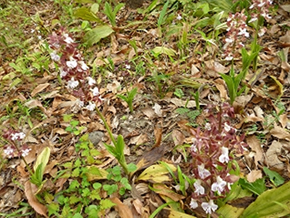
x: 212, y: 154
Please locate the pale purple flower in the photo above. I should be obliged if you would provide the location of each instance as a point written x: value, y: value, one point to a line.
x: 209, y: 207
x: 54, y: 56
x: 219, y: 185
x: 193, y: 204
x: 72, y: 83
x: 199, y: 189
x: 9, y: 151
x: 72, y: 63
x: 202, y: 172
x: 95, y: 91
x: 25, y: 152
x: 91, y: 81
x: 227, y: 127
x: 62, y: 73
x: 193, y: 146
x: 178, y: 17
x: 91, y: 106
x: 224, y: 157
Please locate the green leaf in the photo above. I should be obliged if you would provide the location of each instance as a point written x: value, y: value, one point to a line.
x: 106, y: 204
x: 131, y: 167
x: 97, y: 185
x: 95, y: 8
x: 77, y: 215
x: 86, y: 14
x: 95, y: 35
x: 182, y: 110
x: 74, y: 199
x: 275, y: 177
x: 163, y: 50
x: 257, y: 187
x: 42, y: 160
x: 162, y: 18
x: 76, y: 172
x: 269, y: 203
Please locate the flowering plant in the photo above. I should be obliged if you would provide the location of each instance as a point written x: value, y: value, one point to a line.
x: 73, y: 69
x: 212, y: 161
x: 14, y: 147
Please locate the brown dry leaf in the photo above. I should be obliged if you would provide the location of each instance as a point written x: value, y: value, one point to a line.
x: 39, y: 88
x: 181, y: 103
x: 220, y: 85
x: 149, y: 112
x: 254, y: 175
x: 124, y: 210
x: 280, y: 133
x: 177, y: 137
x: 255, y: 145
x: 158, y: 136
x: 283, y: 120
x: 35, y: 103
x: 138, y: 206
x: 138, y: 140
x: 164, y: 190
x: 272, y: 156
x: 32, y: 200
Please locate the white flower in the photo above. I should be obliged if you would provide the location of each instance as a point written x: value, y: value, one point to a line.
x: 21, y: 135
x: 262, y: 32
x: 72, y: 63
x: 261, y: 4
x: 193, y: 146
x: 91, y: 81
x: 209, y: 207
x: 68, y: 39
x: 8, y: 151
x: 207, y: 126
x: 229, y: 40
x: 219, y: 185
x: 229, y: 58
x: 227, y: 127
x: 178, y: 17
x: 14, y: 136
x: 72, y: 83
x: 244, y: 32
x: 199, y: 189
x: 25, y: 152
x: 83, y: 65
x: 91, y: 106
x: 225, y: 155
x: 62, y: 73
x: 39, y: 37
x: 203, y: 173
x: 253, y: 19
x: 127, y: 66
x: 193, y: 204
x: 54, y: 56
x: 95, y: 91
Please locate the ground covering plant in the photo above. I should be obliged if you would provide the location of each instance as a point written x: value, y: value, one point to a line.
x: 166, y: 109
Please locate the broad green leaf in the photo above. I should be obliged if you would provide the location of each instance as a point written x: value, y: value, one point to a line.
x: 95, y: 8
x: 95, y: 35
x: 257, y: 187
x: 106, y: 204
x: 42, y: 159
x: 275, y: 177
x: 86, y: 14
x: 163, y: 50
x: 272, y: 203
x: 162, y: 17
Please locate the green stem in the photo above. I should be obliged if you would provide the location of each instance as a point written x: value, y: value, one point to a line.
x: 107, y: 126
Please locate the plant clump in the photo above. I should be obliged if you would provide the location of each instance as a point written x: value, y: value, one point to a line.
x: 212, y: 154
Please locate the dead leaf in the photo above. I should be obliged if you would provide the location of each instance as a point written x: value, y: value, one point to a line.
x: 272, y: 154
x: 255, y: 146
x: 164, y: 190
x: 39, y: 88
x: 124, y: 210
x: 177, y: 137
x: 158, y: 136
x: 32, y: 200
x: 220, y: 85
x: 254, y: 175
x: 280, y: 133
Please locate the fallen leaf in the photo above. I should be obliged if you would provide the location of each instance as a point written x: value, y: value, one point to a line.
x: 255, y: 146
x: 164, y: 190
x: 39, y: 88
x: 280, y: 133
x: 32, y: 200
x: 254, y: 175
x: 177, y: 137
x: 272, y: 154
x: 124, y: 210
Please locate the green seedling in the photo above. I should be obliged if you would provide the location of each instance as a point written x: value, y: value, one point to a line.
x: 39, y: 167
x: 129, y: 98
x: 111, y: 14
x: 274, y: 177
x: 179, y: 93
x: 257, y: 187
